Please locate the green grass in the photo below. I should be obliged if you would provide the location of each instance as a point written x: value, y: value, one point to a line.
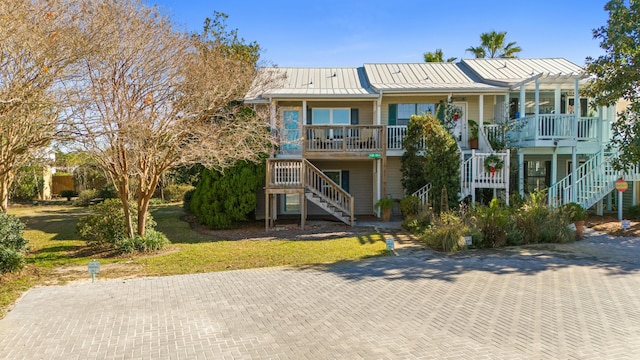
x: 55, y: 249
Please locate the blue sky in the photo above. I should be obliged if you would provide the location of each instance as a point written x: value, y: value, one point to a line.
x: 331, y: 33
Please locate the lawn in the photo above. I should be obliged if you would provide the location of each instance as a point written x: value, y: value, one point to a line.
x: 57, y: 255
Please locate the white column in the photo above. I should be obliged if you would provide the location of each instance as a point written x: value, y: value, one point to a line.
x: 554, y: 167
x: 523, y: 109
x: 481, y: 110
x: 574, y: 157
x: 521, y: 172
x: 506, y: 108
x: 378, y: 170
x: 378, y: 110
x: 304, y: 112
x: 557, y: 100
x: 536, y: 102
x: 574, y: 174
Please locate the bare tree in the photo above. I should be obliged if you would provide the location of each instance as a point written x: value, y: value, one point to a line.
x: 155, y: 98
x: 38, y: 46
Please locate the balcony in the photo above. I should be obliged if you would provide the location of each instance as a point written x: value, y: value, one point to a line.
x: 328, y: 141
x: 552, y: 130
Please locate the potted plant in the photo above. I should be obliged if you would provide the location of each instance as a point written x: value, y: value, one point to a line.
x: 493, y: 163
x: 385, y: 205
x: 575, y: 214
x: 473, y: 134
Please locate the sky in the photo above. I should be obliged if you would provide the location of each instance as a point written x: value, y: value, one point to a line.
x: 348, y: 33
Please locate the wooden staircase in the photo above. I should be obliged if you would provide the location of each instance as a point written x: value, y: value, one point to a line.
x: 286, y: 176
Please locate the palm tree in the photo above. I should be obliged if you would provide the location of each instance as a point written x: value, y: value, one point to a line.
x: 492, y: 45
x: 436, y: 56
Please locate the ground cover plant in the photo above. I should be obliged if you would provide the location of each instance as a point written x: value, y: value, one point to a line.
x: 493, y: 225
x: 58, y: 255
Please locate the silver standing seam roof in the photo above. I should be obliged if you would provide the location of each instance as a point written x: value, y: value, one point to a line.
x: 468, y: 75
x: 316, y: 83
x: 426, y: 77
x: 508, y: 72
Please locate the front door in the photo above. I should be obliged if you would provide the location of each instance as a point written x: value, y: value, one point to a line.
x: 460, y: 123
x: 291, y: 142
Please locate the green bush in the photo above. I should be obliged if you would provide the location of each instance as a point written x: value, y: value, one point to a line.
x: 186, y: 204
x: 540, y: 223
x: 410, y: 206
x: 85, y: 197
x: 493, y: 222
x: 221, y: 200
x: 176, y: 192
x: 68, y: 194
x: 12, y: 244
x: 573, y: 212
x: 151, y: 241
x: 419, y: 223
x: 447, y: 233
x: 105, y: 226
x: 108, y: 192
x: 633, y: 212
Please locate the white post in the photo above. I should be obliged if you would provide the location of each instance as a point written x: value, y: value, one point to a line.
x: 304, y: 112
x: 378, y: 110
x: 620, y: 205
x: 523, y: 99
x: 507, y: 177
x: 481, y: 110
x: 536, y: 102
x: 574, y: 158
x: 378, y: 169
x: 554, y: 167
x: 506, y: 107
x: 521, y: 172
x: 634, y: 200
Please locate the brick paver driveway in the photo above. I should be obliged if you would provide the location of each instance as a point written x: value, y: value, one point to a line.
x: 579, y: 301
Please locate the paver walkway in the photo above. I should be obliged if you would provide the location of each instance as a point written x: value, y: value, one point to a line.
x: 580, y: 302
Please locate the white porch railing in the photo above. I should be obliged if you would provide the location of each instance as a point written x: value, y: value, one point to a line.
x: 595, y: 179
x: 423, y: 194
x: 395, y: 136
x: 475, y: 176
x: 553, y: 127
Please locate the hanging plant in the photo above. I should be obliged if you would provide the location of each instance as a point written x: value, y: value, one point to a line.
x: 493, y: 163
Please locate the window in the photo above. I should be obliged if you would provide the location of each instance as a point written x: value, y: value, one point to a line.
x: 291, y: 203
x: 537, y: 175
x: 403, y: 112
x: 331, y: 116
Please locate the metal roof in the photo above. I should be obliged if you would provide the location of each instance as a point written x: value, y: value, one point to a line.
x: 509, y: 72
x: 315, y: 82
x: 425, y: 77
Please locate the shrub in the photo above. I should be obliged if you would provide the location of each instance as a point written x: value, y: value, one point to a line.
x: 221, y: 200
x: 573, y: 212
x: 68, y: 194
x: 493, y: 222
x: 187, y: 199
x: 633, y: 212
x: 105, y: 226
x: 10, y: 260
x: 176, y: 192
x: 419, y: 223
x: 410, y: 205
x: 446, y: 234
x: 85, y: 197
x: 151, y: 241
x: 12, y: 244
x: 107, y: 192
x: 540, y: 223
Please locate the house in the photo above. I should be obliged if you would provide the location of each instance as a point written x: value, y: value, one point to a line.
x: 341, y: 129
